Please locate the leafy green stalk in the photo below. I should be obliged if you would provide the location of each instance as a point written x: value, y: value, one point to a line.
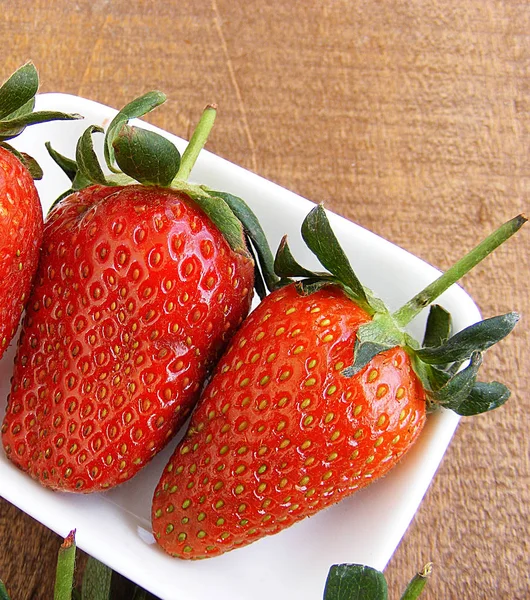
x: 65, y: 568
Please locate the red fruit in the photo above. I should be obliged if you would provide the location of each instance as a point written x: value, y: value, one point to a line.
x: 319, y: 393
x: 135, y: 295
x: 280, y: 433
x: 20, y: 209
x: 20, y: 239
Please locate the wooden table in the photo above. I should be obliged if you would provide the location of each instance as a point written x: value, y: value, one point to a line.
x: 410, y: 118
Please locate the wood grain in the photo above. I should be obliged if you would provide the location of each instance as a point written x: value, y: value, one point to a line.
x: 410, y: 118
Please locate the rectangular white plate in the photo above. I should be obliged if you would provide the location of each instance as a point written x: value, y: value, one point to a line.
x: 366, y: 528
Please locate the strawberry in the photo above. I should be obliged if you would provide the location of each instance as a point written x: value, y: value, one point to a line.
x: 138, y: 289
x: 20, y: 210
x: 319, y: 393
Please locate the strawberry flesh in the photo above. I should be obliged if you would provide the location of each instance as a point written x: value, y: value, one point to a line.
x: 20, y: 238
x: 280, y: 433
x: 136, y: 294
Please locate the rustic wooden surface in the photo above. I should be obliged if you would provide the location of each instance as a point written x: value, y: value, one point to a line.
x: 410, y: 118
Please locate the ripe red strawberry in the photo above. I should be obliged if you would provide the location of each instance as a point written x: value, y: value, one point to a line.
x: 20, y: 209
x: 136, y: 293
x: 20, y: 239
x: 287, y: 427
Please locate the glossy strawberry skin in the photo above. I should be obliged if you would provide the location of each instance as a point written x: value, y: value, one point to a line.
x: 20, y: 239
x: 135, y: 295
x: 279, y: 433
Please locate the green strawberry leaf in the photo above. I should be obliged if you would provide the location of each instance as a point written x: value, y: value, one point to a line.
x: 220, y: 214
x: 363, y: 354
x: 86, y: 158
x: 3, y: 591
x: 321, y: 240
x: 483, y: 398
x: 309, y: 286
x: 96, y: 581
x: 438, y: 328
x: 68, y: 165
x: 29, y: 162
x: 286, y: 266
x: 374, y: 337
x: 146, y: 156
x: 137, y: 108
x: 18, y: 90
x: 475, y: 338
x: 255, y: 233
x: 13, y: 127
x: 23, y: 110
x: 457, y: 388
x: 355, y: 582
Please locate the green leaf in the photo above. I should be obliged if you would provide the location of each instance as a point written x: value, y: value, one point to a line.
x: 29, y: 162
x: 137, y: 108
x: 475, y: 338
x: 306, y: 287
x: 438, y: 328
x: 13, y: 127
x: 65, y: 569
x: 96, y: 581
x: 458, y: 387
x: 146, y: 156
x: 23, y: 110
x: 68, y: 165
x: 363, y: 354
x: 355, y: 582
x: 3, y: 591
x: 378, y: 335
x: 221, y: 215
x: 286, y: 266
x: 86, y: 158
x: 483, y: 398
x: 321, y: 240
x: 255, y: 233
x: 19, y: 89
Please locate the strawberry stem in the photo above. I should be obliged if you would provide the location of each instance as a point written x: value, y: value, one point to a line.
x: 65, y: 568
x: 197, y: 142
x: 417, y: 583
x: 413, y: 307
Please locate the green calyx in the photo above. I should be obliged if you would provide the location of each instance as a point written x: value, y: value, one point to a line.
x: 17, y: 101
x: 135, y: 155
x: 361, y: 582
x: 446, y: 364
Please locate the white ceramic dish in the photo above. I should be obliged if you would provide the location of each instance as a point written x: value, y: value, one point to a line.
x: 366, y: 528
